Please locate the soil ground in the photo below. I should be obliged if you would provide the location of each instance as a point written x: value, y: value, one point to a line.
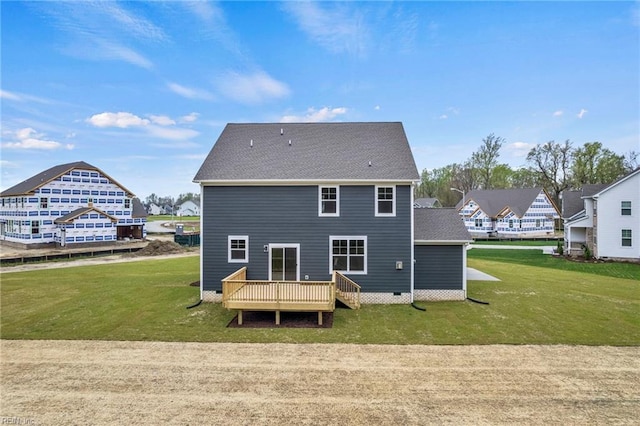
x: 98, y: 382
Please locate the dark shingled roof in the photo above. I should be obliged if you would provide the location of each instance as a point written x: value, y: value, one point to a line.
x: 493, y: 201
x: 318, y: 151
x: 443, y: 224
x: 138, y: 209
x: 70, y: 217
x: 572, y: 203
x: 28, y: 186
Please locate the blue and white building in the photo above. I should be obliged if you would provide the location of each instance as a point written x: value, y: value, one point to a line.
x: 509, y: 213
x: 70, y: 204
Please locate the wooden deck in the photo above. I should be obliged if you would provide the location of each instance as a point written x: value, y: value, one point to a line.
x: 298, y: 296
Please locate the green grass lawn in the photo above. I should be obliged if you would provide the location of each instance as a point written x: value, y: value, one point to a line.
x: 531, y: 243
x: 168, y: 218
x: 533, y: 304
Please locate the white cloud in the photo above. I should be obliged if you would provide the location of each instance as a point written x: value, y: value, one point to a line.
x: 377, y: 107
x: 315, y: 116
x: 117, y: 119
x: 582, y: 113
x: 188, y: 92
x: 103, y: 30
x: 189, y: 118
x: 160, y: 126
x: 28, y: 138
x: 252, y: 88
x: 162, y: 120
x: 443, y: 117
x: 8, y: 95
x: 519, y: 149
x: 333, y: 26
x: 558, y: 113
x: 172, y: 132
x: 21, y: 97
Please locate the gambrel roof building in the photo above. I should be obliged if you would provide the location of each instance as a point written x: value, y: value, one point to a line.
x: 70, y: 204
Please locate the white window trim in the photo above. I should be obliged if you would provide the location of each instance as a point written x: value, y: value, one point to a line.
x: 622, y: 238
x: 337, y: 213
x: 284, y: 246
x: 393, y: 208
x: 246, y: 249
x: 348, y: 237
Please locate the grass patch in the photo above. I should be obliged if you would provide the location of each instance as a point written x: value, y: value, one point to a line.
x: 147, y: 301
x: 537, y: 258
x: 525, y: 243
x: 168, y: 218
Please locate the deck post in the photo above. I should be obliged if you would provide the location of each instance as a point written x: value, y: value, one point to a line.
x: 319, y: 317
x: 277, y: 317
x: 240, y: 317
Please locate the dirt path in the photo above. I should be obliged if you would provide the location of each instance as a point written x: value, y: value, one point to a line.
x: 74, y: 382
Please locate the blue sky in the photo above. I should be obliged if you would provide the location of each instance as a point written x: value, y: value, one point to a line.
x: 143, y: 90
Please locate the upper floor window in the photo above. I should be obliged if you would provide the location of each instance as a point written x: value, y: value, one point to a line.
x: 478, y: 223
x: 329, y: 204
x: 625, y: 208
x: 626, y: 238
x: 35, y: 226
x: 43, y: 203
x: 127, y: 203
x: 238, y: 249
x: 385, y: 200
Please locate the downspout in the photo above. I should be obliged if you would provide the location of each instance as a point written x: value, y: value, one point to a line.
x: 413, y: 184
x: 464, y: 269
x: 201, y: 241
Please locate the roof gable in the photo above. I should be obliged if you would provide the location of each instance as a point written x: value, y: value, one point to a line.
x: 442, y: 224
x: 493, y: 201
x: 310, y: 151
x: 30, y: 185
x: 72, y: 216
x: 617, y: 182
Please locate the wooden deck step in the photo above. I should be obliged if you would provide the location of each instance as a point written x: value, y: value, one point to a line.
x: 348, y: 299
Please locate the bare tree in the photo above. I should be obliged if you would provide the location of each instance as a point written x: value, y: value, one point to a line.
x: 552, y: 162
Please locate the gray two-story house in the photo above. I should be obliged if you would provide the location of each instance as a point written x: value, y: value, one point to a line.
x: 299, y: 201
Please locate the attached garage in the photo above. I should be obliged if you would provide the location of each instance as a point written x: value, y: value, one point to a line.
x: 440, y: 255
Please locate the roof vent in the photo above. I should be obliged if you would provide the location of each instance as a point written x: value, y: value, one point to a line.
x: 369, y: 163
x: 289, y: 142
x: 251, y: 143
x: 281, y: 131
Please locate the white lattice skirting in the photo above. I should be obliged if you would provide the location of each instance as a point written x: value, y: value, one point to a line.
x: 212, y: 296
x: 439, y: 295
x: 378, y: 298
x: 384, y: 298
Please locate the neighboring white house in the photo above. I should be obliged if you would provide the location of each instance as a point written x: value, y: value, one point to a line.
x: 154, y: 209
x: 509, y: 213
x: 426, y: 203
x: 609, y: 222
x: 74, y: 203
x: 188, y: 208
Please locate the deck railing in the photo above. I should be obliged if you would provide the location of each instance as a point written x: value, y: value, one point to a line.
x: 347, y: 290
x: 240, y: 293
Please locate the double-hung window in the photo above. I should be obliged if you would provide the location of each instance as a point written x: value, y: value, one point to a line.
x: 348, y: 254
x: 35, y: 227
x: 43, y: 203
x: 385, y: 200
x: 329, y: 201
x: 478, y: 223
x: 625, y: 208
x: 238, y: 249
x: 626, y: 238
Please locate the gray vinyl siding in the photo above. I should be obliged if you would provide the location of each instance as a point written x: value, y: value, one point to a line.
x: 438, y: 267
x: 276, y: 214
